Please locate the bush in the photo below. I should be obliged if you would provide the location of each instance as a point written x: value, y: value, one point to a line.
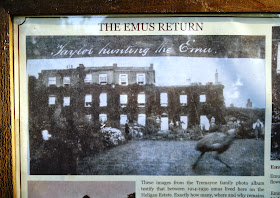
x: 137, y: 131
x: 246, y: 130
x: 195, y: 132
x: 93, y: 139
x: 151, y: 129
x: 219, y: 128
x: 112, y: 136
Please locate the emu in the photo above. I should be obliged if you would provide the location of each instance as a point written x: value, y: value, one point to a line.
x: 218, y: 142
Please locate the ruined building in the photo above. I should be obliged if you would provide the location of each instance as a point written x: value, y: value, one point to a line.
x: 115, y: 95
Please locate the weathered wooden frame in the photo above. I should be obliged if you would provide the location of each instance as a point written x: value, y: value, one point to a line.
x: 11, y: 8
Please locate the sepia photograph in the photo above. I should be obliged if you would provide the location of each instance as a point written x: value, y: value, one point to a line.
x: 81, y: 189
x: 275, y: 125
x: 146, y: 105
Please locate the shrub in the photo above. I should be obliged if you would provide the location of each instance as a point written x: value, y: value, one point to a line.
x: 151, y: 129
x: 246, y: 130
x: 112, y: 136
x: 195, y: 132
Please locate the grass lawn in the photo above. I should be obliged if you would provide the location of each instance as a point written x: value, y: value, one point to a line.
x: 245, y: 156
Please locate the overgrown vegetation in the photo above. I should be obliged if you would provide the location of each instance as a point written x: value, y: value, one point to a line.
x: 275, y: 142
x: 74, y: 136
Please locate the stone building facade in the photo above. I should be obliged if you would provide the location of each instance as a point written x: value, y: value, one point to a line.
x: 115, y: 95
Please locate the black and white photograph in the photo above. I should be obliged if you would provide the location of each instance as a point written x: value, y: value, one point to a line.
x: 81, y: 189
x: 146, y: 105
x: 275, y: 127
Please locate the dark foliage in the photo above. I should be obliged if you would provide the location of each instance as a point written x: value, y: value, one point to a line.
x: 247, y: 118
x: 275, y: 84
x: 275, y: 142
x: 71, y: 135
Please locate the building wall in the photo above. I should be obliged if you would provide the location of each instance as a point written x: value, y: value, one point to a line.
x: 59, y: 74
x: 95, y: 75
x: 113, y: 72
x: 193, y: 108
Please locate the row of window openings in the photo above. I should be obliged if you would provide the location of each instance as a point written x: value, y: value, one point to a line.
x: 123, y: 79
x: 141, y: 120
x: 124, y: 98
x: 123, y: 118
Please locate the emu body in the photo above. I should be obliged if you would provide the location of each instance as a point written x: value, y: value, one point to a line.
x: 218, y: 142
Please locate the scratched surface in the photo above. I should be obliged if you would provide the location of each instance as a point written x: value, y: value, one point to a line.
x: 75, y: 7
x: 6, y: 182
